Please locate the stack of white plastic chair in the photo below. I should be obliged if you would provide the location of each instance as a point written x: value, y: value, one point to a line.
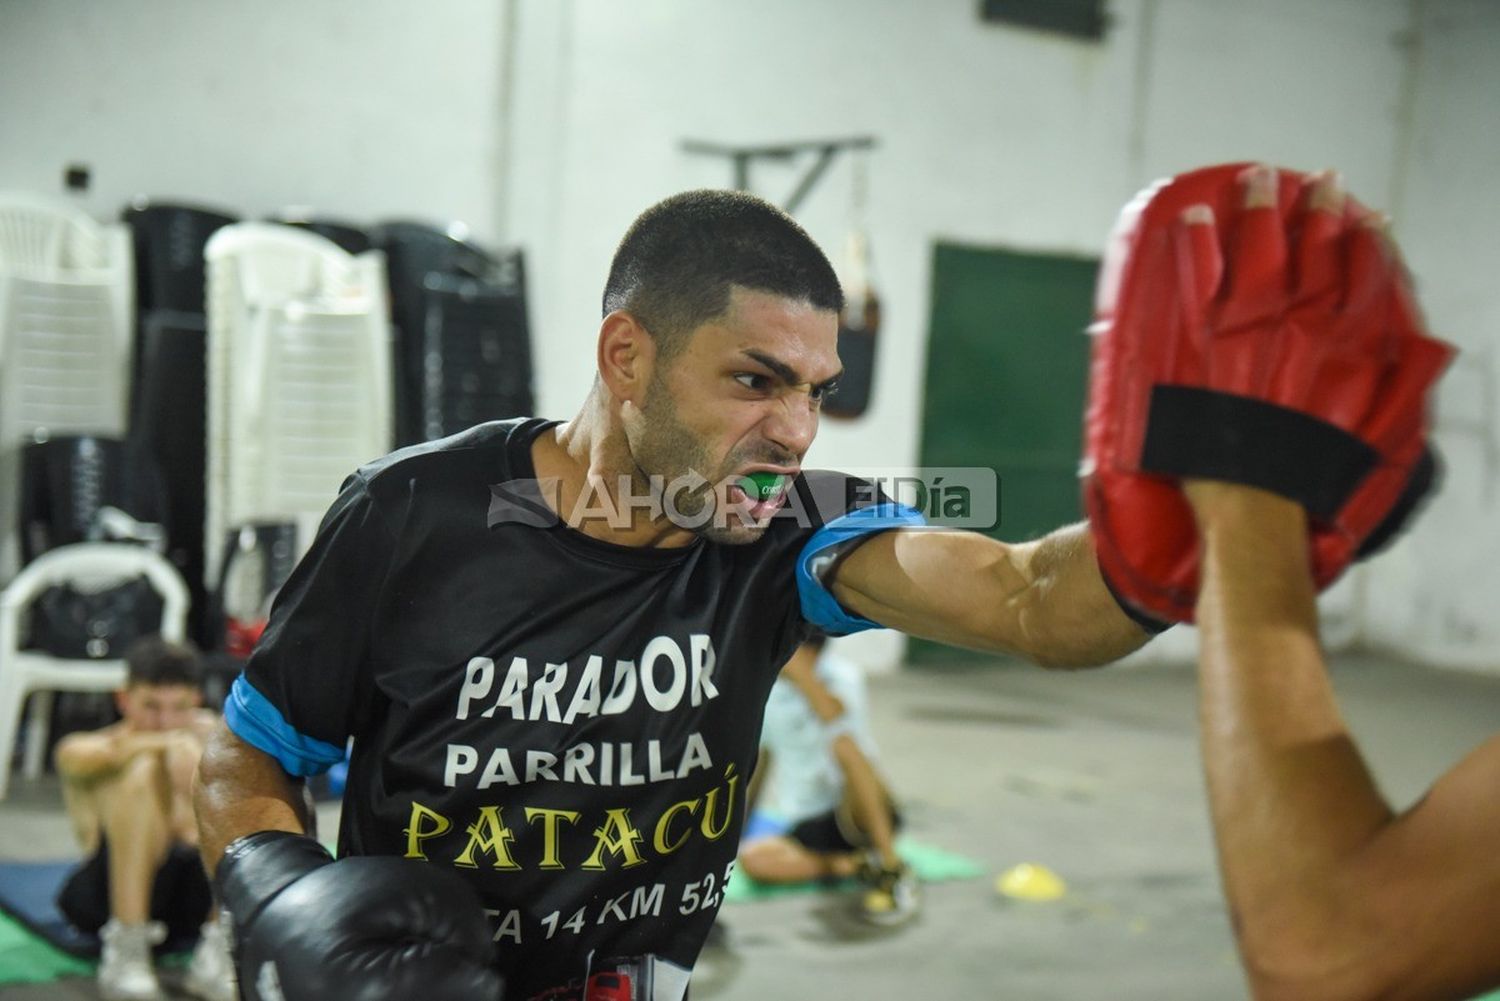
x: 67, y: 290
x: 88, y: 566
x: 299, y: 377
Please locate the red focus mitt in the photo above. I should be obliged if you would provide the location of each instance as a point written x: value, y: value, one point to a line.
x: 1269, y: 342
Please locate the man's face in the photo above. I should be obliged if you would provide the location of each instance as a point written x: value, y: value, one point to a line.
x: 742, y: 396
x: 158, y: 707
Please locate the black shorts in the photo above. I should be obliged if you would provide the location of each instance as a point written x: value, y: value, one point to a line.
x: 180, y: 894
x: 835, y: 831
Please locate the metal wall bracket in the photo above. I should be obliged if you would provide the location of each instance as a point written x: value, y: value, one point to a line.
x: 741, y: 157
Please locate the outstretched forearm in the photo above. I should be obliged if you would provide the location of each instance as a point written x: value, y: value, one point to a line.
x: 1065, y: 613
x: 1045, y: 600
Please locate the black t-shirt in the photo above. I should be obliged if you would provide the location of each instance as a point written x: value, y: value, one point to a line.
x: 569, y: 723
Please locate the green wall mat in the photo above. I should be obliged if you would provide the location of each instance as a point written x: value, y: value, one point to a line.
x: 1007, y: 370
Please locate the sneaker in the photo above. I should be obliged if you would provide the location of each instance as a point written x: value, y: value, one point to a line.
x: 210, y: 974
x: 892, y: 895
x: 125, y: 970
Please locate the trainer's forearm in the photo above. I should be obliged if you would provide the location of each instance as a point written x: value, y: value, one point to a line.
x: 1067, y: 616
x: 241, y: 790
x: 1292, y: 800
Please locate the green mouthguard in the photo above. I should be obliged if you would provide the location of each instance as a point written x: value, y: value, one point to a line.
x: 761, y: 486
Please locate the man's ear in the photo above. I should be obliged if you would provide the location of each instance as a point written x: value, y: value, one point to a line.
x: 120, y: 700
x: 627, y: 354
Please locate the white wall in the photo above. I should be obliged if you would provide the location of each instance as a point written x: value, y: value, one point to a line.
x: 1436, y: 596
x: 364, y: 109
x: 988, y: 135
x: 553, y: 122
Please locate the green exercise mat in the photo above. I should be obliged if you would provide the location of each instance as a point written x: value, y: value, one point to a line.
x: 27, y: 958
x: 931, y: 864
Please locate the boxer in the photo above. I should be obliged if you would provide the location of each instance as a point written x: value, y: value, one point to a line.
x: 551, y: 645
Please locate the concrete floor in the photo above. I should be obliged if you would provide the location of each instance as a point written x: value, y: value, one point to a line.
x: 1094, y: 775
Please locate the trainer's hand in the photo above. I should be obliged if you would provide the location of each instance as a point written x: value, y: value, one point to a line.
x: 1253, y: 326
x: 1248, y: 515
x: 1218, y: 500
x: 307, y: 928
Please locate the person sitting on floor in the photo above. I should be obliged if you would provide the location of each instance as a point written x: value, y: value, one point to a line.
x: 128, y: 791
x: 816, y: 769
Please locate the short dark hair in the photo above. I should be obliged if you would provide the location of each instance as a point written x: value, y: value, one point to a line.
x: 153, y: 660
x: 679, y: 260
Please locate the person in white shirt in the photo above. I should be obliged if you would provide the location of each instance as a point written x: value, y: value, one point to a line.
x: 817, y: 774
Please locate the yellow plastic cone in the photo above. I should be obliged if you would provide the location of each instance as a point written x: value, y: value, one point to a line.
x: 1029, y: 881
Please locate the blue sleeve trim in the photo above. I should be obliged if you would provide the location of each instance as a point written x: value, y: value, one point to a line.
x: 819, y: 606
x: 256, y: 721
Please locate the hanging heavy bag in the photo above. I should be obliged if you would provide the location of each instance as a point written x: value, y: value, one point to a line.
x: 858, y: 326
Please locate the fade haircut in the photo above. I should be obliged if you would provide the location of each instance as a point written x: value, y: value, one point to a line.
x: 156, y: 661
x: 678, y: 262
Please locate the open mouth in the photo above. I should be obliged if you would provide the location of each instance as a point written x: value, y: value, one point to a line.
x: 761, y: 492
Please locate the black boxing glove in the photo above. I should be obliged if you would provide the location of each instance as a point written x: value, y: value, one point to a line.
x: 367, y: 928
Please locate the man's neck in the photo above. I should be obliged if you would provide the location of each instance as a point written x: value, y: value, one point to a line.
x: 590, y: 460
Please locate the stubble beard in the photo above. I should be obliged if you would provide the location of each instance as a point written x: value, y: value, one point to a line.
x: 671, y: 454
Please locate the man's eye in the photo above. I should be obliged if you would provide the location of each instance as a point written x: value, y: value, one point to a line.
x: 823, y: 392
x: 752, y: 380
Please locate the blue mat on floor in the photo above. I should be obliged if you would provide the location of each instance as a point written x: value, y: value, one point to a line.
x: 28, y: 894
x: 28, y: 891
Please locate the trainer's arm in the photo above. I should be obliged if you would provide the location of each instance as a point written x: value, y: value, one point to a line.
x: 240, y: 790
x: 1332, y: 895
x: 1042, y: 600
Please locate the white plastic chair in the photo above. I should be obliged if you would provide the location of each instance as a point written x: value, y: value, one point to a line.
x: 299, y: 376
x: 317, y: 404
x: 67, y: 289
x: 42, y: 235
x: 89, y: 565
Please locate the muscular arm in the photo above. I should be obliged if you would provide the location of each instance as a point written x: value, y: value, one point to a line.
x: 1042, y: 600
x: 1333, y: 896
x: 241, y: 790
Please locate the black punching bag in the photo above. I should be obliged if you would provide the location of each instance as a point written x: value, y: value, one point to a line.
x: 858, y: 328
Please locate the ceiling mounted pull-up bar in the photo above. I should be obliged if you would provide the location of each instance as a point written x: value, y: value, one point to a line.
x: 741, y: 157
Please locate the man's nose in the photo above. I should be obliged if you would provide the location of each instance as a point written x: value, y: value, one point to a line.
x: 793, y: 423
